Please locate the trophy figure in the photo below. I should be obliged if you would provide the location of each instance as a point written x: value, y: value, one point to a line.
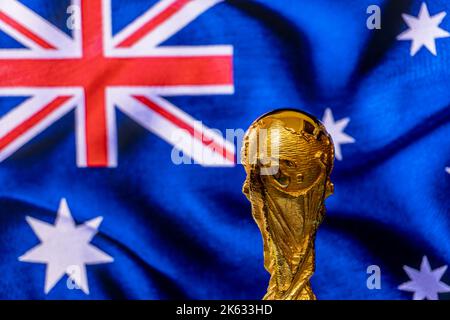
x: 288, y: 156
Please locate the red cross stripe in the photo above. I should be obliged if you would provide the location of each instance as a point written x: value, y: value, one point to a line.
x: 129, y: 70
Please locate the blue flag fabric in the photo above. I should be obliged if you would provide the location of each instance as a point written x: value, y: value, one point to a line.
x: 186, y: 231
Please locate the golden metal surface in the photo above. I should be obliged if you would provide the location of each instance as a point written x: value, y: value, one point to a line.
x: 288, y: 157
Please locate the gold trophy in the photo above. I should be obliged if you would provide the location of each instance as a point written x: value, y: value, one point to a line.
x: 288, y: 156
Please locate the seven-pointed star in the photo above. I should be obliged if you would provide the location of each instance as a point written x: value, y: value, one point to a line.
x: 336, y: 130
x: 425, y: 283
x: 423, y: 30
x: 65, y: 248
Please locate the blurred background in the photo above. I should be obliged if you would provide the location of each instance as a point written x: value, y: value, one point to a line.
x: 186, y: 231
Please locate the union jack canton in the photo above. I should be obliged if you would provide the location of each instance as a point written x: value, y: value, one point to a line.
x: 94, y: 71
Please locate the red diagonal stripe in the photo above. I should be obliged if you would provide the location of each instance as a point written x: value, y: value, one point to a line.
x: 26, y: 32
x: 153, y: 23
x: 210, y: 143
x: 32, y: 121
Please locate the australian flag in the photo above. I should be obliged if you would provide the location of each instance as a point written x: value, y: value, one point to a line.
x: 121, y: 123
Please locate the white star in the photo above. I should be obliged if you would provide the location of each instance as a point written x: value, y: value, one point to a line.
x: 425, y: 283
x: 65, y: 247
x: 336, y: 130
x: 447, y: 169
x: 423, y: 30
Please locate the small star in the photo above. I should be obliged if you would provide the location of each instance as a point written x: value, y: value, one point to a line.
x: 425, y: 283
x: 65, y: 247
x: 336, y: 130
x: 447, y: 169
x: 423, y: 30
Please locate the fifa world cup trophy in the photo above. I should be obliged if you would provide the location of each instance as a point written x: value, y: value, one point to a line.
x: 288, y: 157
